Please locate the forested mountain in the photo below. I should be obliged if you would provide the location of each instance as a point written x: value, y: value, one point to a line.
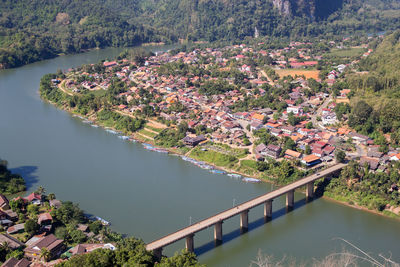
x: 32, y: 30
x: 377, y: 91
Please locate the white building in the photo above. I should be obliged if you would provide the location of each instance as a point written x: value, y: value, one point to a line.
x: 296, y: 110
x: 329, y: 118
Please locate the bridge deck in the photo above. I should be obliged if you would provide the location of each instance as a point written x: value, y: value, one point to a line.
x: 194, y: 228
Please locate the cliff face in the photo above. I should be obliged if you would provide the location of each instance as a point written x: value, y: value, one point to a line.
x: 313, y: 9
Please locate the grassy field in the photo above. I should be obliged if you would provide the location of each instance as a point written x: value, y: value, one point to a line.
x: 248, y: 167
x: 213, y: 157
x: 293, y: 72
x: 147, y: 133
x: 158, y: 130
x: 225, y: 149
x: 343, y: 53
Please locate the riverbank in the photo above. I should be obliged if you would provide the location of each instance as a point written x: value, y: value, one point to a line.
x: 387, y: 214
x: 287, y: 172
x: 181, y: 153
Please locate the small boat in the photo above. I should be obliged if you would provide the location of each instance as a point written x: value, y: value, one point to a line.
x: 148, y: 147
x: 95, y: 126
x: 234, y: 175
x: 111, y: 131
x: 123, y: 137
x: 87, y: 121
x: 104, y: 222
x: 160, y: 150
x: 206, y: 167
x: 250, y: 180
x: 218, y: 172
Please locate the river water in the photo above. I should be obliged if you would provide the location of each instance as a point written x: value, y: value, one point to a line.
x: 148, y: 195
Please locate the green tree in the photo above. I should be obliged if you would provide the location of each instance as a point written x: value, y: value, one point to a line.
x: 40, y: 190
x: 69, y: 212
x: 45, y: 254
x: 360, y: 113
x: 77, y: 236
x: 51, y: 196
x: 182, y: 259
x: 340, y: 156
x: 307, y: 151
x: 17, y: 205
x: 95, y: 227
x: 62, y: 233
x: 31, y: 227
x: 32, y: 209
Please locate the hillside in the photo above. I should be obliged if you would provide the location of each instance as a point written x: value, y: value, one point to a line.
x: 376, y: 107
x: 36, y: 30
x: 32, y: 30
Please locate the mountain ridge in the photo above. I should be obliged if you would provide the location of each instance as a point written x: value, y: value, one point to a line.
x: 32, y: 30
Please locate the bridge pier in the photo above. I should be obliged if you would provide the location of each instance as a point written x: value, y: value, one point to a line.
x: 218, y: 233
x: 158, y: 253
x: 190, y: 243
x: 268, y: 210
x: 244, y: 221
x: 309, y: 191
x: 243, y: 210
x: 289, y: 200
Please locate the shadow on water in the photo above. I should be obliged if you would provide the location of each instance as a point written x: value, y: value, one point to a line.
x: 318, y: 193
x: 28, y: 173
x: 252, y: 226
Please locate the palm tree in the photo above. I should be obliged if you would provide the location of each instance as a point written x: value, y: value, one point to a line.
x: 40, y: 190
x: 45, y: 254
x: 51, y: 196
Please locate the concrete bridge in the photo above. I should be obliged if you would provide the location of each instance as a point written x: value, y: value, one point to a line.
x: 242, y: 209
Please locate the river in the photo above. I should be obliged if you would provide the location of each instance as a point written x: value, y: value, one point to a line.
x: 148, y: 195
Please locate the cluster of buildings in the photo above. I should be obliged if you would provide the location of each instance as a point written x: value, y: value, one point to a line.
x: 44, y: 239
x: 165, y: 81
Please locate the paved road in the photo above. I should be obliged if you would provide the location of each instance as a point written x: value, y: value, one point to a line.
x: 314, y: 121
x: 171, y: 238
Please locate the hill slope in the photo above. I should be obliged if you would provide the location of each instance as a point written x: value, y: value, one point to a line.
x: 32, y: 30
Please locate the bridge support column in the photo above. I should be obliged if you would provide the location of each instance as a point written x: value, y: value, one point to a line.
x: 218, y: 232
x: 158, y: 253
x: 268, y: 210
x: 310, y: 191
x: 290, y: 200
x: 244, y: 221
x: 190, y: 243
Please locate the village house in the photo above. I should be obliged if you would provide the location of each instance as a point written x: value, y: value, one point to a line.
x: 372, y: 163
x: 329, y: 118
x: 55, y: 203
x: 291, y: 154
x: 86, y: 248
x: 4, y: 205
x: 311, y: 160
x: 45, y: 219
x: 272, y: 151
x: 34, y: 198
x: 13, y: 262
x: 18, y: 228
x: 193, y: 141
x: 50, y: 242
x: 256, y: 125
x: 12, y: 242
x: 296, y: 110
x: 359, y: 138
x: 288, y: 129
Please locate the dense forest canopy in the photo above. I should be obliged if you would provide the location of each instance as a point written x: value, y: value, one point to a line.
x: 376, y: 87
x: 32, y: 30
